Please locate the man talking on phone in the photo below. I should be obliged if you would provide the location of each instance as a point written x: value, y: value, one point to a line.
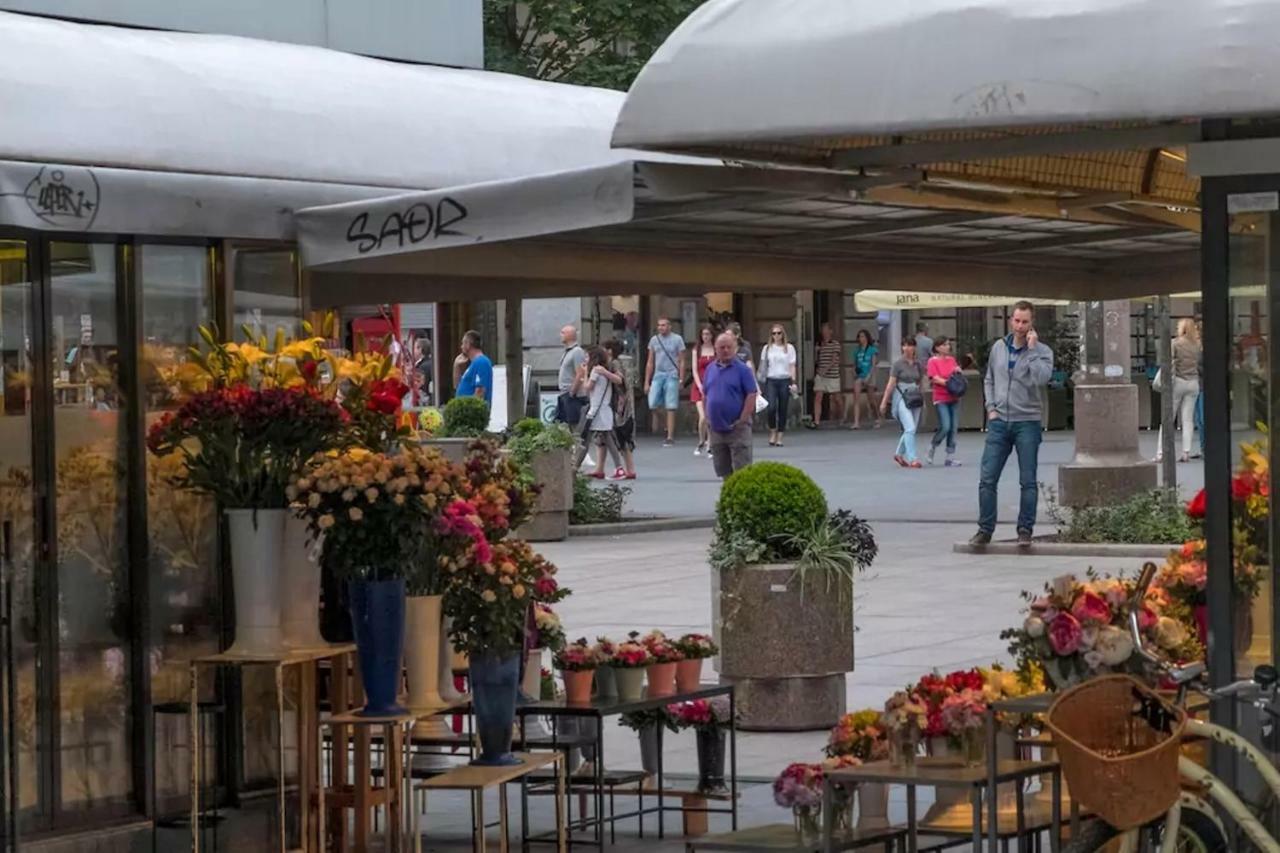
x: 1017, y: 368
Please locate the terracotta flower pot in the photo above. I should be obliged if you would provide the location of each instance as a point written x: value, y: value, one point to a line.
x: 688, y: 675
x: 577, y: 686
x: 662, y: 679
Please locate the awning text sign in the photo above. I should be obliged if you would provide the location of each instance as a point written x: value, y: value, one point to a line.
x: 911, y: 300
x: 467, y: 215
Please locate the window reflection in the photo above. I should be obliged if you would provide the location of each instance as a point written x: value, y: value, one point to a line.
x: 267, y: 293
x: 93, y: 595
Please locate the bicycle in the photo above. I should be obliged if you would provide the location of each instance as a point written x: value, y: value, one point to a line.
x: 1192, y: 824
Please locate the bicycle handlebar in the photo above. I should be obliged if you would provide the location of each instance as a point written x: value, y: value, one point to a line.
x: 1178, y: 674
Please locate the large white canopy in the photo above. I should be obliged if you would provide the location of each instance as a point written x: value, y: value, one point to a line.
x: 161, y: 128
x: 799, y: 72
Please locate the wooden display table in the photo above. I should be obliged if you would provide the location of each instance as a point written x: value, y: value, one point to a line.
x: 308, y: 755
x: 946, y: 773
x: 477, y: 780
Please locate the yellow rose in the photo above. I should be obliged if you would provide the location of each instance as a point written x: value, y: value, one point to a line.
x: 325, y: 522
x: 489, y: 596
x: 355, y: 513
x: 349, y: 495
x: 399, y: 499
x: 517, y: 591
x: 371, y: 494
x: 313, y: 500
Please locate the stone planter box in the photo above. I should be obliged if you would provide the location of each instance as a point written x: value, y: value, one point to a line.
x: 787, y: 657
x: 553, y: 471
x: 454, y: 449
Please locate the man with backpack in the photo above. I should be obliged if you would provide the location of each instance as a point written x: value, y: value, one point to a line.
x: 1017, y: 368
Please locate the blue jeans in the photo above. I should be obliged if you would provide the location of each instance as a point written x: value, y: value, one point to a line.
x: 1003, y: 437
x: 946, y: 426
x: 778, y: 393
x: 910, y: 419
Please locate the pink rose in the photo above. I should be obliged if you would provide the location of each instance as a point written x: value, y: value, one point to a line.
x: 1091, y: 608
x: 1065, y: 635
x: 1194, y: 574
x: 1147, y: 618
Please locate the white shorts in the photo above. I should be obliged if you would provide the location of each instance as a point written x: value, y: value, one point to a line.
x: 826, y: 384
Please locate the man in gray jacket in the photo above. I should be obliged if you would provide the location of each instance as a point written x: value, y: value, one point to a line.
x: 1017, y: 368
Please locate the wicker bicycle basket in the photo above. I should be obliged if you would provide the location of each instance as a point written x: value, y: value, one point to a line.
x: 1118, y: 766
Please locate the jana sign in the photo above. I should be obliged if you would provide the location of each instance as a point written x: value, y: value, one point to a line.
x: 876, y: 300
x: 466, y: 215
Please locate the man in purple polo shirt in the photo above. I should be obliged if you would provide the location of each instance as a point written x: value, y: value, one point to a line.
x: 730, y: 390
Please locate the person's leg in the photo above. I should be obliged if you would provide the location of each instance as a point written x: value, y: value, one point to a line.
x: 702, y: 423
x: 784, y: 395
x: 907, y: 418
x: 940, y: 433
x: 1187, y: 407
x: 994, y: 456
x: 837, y: 406
x: 953, y: 423
x: 1200, y: 418
x: 720, y: 455
x: 598, y: 437
x: 611, y: 445
x: 857, y: 404
x: 817, y: 408
x: 740, y: 447
x: 1027, y: 435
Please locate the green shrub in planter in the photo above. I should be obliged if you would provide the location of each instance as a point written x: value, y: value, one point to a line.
x: 465, y: 417
x: 770, y: 502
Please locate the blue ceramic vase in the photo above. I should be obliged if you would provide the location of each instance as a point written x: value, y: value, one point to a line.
x: 495, y: 681
x: 377, y: 620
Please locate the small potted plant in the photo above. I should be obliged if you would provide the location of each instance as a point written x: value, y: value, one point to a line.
x: 799, y: 788
x: 645, y: 724
x: 663, y: 659
x: 577, y: 666
x: 862, y: 737
x: 606, y: 681
x: 709, y: 719
x: 964, y: 715
x: 841, y: 814
x: 545, y: 453
x: 629, y: 662
x: 695, y: 648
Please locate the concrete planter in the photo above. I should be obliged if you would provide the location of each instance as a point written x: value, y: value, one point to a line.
x: 553, y: 471
x: 787, y: 656
x: 454, y: 449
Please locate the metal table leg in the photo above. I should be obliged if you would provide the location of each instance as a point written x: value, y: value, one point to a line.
x: 280, y: 812
x: 193, y: 737
x: 913, y: 840
x: 975, y: 795
x: 1055, y: 819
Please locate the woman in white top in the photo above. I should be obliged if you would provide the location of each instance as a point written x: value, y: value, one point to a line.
x: 599, y: 382
x: 1185, y: 386
x: 777, y: 370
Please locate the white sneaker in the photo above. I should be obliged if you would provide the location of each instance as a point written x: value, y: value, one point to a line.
x: 697, y: 451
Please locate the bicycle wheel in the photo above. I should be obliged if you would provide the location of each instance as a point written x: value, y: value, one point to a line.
x: 1197, y: 833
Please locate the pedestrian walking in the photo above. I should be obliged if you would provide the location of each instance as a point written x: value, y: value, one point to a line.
x: 569, y: 405
x: 940, y: 370
x: 1186, y: 386
x: 624, y: 411
x: 924, y: 344
x: 778, y: 378
x: 477, y: 379
x: 743, y: 346
x: 826, y: 377
x: 865, y: 356
x: 597, y: 379
x: 664, y: 374
x: 731, y: 393
x: 703, y: 354
x: 903, y: 394
x: 1017, y: 368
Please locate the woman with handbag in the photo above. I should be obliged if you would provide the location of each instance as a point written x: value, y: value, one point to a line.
x: 1185, y: 387
x: 777, y: 375
x: 903, y: 392
x: 940, y: 370
x: 598, y: 428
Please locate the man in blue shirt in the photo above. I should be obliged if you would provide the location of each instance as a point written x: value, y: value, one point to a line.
x: 478, y: 380
x: 730, y: 390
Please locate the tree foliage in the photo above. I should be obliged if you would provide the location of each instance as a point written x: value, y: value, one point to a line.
x: 588, y: 42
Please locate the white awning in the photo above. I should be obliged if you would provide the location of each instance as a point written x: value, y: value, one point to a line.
x: 490, y: 212
x: 909, y: 300
x: 159, y: 118
x: 820, y: 72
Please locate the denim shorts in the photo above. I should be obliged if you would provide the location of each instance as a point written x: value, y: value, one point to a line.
x: 664, y: 393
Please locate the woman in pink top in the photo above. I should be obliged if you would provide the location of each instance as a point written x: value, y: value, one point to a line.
x: 939, y: 370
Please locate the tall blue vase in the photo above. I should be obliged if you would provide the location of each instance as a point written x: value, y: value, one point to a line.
x: 494, y: 682
x: 377, y: 619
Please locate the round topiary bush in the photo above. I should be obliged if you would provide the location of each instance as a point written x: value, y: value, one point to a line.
x: 769, y: 500
x: 465, y: 417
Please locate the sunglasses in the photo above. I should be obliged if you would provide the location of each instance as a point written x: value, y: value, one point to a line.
x: 776, y: 333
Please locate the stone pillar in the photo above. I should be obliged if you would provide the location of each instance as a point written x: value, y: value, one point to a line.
x: 514, y: 330
x: 1107, y: 466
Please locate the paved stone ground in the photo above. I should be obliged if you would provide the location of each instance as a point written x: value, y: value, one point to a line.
x: 857, y: 471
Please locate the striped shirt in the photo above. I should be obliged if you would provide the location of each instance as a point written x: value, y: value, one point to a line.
x: 829, y: 359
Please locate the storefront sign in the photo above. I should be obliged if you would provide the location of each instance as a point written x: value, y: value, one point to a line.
x: 467, y: 215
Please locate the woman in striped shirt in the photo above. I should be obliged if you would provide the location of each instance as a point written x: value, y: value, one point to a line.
x: 826, y: 377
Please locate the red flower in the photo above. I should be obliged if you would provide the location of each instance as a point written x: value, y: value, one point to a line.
x: 386, y: 395
x: 1091, y: 608
x: 1242, y: 487
x: 308, y: 369
x: 1196, y: 509
x: 545, y: 587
